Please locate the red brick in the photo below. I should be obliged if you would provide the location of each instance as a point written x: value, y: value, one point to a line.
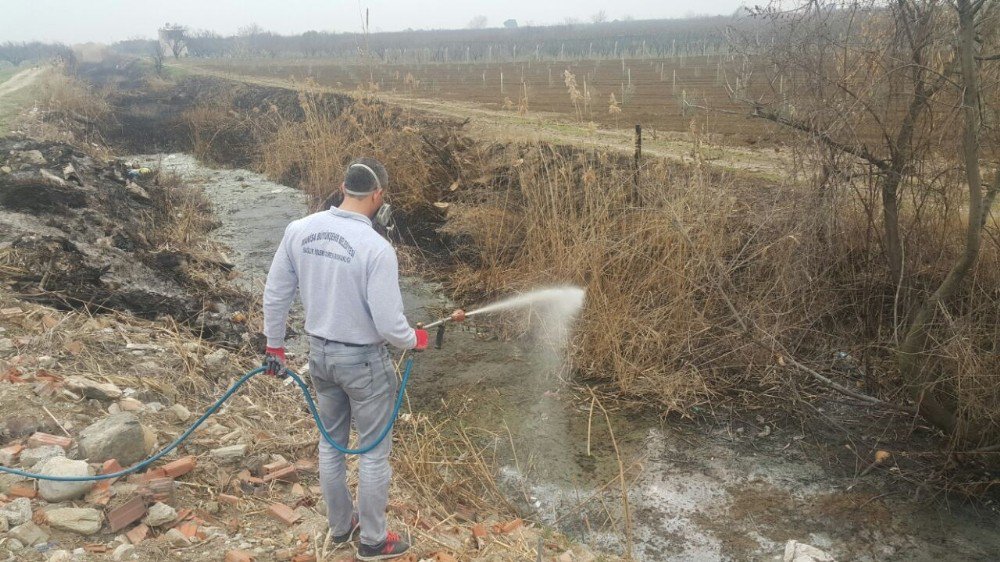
x: 22, y: 490
x: 111, y: 465
x: 180, y: 467
x: 40, y: 439
x: 287, y: 474
x: 96, y: 548
x: 126, y: 514
x: 275, y: 466
x: 306, y: 465
x: 188, y: 529
x: 139, y: 534
x: 479, y: 531
x: 153, y: 474
x: 304, y: 558
x: 158, y: 489
x: 13, y: 450
x: 238, y: 556
x: 283, y: 513
x: 226, y: 498
x: 100, y: 494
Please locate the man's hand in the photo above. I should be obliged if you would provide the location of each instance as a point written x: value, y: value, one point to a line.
x: 274, y: 360
x: 458, y: 315
x: 422, y: 339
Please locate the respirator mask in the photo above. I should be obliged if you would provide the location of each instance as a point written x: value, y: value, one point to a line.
x: 383, y: 217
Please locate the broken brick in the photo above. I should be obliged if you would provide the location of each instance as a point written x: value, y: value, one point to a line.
x: 9, y: 453
x: 154, y: 474
x: 179, y: 467
x: 188, y: 529
x: 126, y: 514
x: 304, y: 558
x: 238, y: 556
x: 111, y: 465
x: 96, y: 548
x: 275, y: 466
x: 226, y: 498
x: 283, y: 513
x: 100, y: 494
x: 22, y: 490
x: 508, y: 527
x: 39, y: 439
x: 306, y: 465
x: 479, y: 531
x: 159, y: 490
x: 287, y: 474
x: 139, y: 534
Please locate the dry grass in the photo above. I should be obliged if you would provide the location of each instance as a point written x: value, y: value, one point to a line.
x: 697, y: 278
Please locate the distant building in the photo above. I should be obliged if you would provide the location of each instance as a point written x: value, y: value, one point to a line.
x: 510, y: 24
x: 173, y: 43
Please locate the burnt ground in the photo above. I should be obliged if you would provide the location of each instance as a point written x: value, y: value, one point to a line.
x: 75, y: 235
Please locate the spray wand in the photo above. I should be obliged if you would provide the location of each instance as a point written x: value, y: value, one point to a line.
x: 457, y: 316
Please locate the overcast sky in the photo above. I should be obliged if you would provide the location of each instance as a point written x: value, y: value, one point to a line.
x: 107, y: 21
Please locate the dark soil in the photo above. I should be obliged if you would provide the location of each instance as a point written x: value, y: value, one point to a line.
x: 94, y: 243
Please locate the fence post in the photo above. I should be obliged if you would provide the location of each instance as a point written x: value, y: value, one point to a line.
x: 638, y: 157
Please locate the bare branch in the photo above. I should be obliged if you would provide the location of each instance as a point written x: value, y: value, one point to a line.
x: 862, y: 152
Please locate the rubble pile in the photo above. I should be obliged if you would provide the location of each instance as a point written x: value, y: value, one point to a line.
x: 79, y: 395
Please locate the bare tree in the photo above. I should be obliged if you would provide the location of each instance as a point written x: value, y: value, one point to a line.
x: 880, y: 85
x: 599, y: 17
x: 478, y: 22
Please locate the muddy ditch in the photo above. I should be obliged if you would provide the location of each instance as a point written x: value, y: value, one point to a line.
x: 724, y: 489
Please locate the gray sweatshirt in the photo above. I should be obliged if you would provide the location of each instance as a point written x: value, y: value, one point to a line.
x: 347, y: 276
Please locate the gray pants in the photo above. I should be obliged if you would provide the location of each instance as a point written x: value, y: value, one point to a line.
x: 358, y: 383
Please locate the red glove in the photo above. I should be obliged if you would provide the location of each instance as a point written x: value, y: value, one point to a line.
x: 274, y: 360
x: 422, y: 340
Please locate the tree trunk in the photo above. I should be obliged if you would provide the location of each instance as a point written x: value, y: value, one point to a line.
x: 921, y: 384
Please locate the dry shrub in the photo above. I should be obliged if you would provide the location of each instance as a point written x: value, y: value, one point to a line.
x: 315, y: 150
x: 696, y: 278
x: 67, y: 97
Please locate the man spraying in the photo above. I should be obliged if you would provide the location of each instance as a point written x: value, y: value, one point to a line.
x: 347, y: 276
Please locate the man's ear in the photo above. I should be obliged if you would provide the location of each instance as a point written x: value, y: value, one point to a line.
x: 343, y: 188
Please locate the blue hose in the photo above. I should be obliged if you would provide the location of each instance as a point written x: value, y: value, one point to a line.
x: 218, y: 404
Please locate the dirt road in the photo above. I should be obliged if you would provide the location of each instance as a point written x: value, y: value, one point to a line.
x: 21, y: 80
x: 507, y: 126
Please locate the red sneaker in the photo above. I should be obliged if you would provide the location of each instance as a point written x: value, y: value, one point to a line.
x: 391, y: 547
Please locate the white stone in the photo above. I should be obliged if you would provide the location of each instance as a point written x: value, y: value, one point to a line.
x: 177, y: 538
x: 17, y: 512
x: 231, y: 453
x: 160, y: 514
x: 28, y: 534
x: 218, y: 359
x: 180, y: 412
x: 79, y: 520
x: 61, y: 556
x: 123, y: 552
x: 119, y: 436
x: 801, y: 552
x: 93, y: 389
x: 31, y: 457
x: 63, y: 491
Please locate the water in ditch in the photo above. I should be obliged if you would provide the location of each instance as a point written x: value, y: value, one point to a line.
x: 695, y: 493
